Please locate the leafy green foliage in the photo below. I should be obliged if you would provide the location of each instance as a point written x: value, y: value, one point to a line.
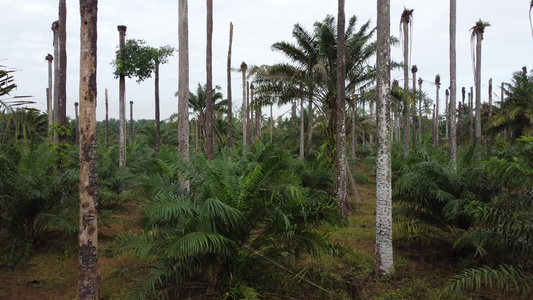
x: 232, y: 223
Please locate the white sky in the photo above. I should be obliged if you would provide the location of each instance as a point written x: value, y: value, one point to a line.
x: 26, y: 38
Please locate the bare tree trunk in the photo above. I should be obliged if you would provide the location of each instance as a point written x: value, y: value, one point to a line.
x: 106, y: 120
x: 446, y: 112
x: 209, y: 134
x: 436, y: 111
x: 248, y: 111
x: 122, y: 102
x: 183, y: 94
x: 271, y: 123
x: 434, y: 131
x: 471, y: 106
x: 55, y: 29
x: 49, y: 100
x: 157, y: 110
x: 131, y: 122
x: 384, y: 253
x: 88, y: 160
x: 459, y: 125
x: 310, y: 122
x: 453, y: 83
x: 244, y: 109
x: 230, y: 104
x: 342, y: 164
x: 77, y: 122
x: 490, y: 99
x: 354, y: 134
x: 253, y: 107
x: 406, y: 130
x: 420, y: 81
x: 302, y: 134
x: 479, y: 37
x: 62, y: 99
x: 414, y: 70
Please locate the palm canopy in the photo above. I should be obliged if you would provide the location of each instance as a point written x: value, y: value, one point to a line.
x: 197, y: 102
x: 516, y: 113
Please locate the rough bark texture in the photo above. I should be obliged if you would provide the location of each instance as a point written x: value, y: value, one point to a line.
x: 88, y: 159
x: 157, y: 110
x: 302, y: 132
x: 122, y: 102
x: 479, y: 37
x: 490, y: 99
x: 420, y: 81
x: 471, y: 107
x: 230, y: 104
x: 453, y: 84
x: 62, y: 92
x: 55, y: 29
x: 384, y: 257
x: 414, y: 120
x: 446, y: 111
x: 436, y: 114
x: 209, y: 133
x: 244, y: 108
x: 106, y: 120
x: 183, y: 85
x: 310, y: 122
x: 49, y: 93
x: 342, y: 195
x: 77, y: 122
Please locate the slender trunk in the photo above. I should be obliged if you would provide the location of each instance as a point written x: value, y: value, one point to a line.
x: 453, y: 84
x: 479, y: 37
x: 342, y: 164
x: 406, y: 130
x: 106, y: 120
x: 248, y: 111
x: 420, y: 81
x: 157, y: 110
x: 434, y: 131
x: 88, y: 158
x: 446, y: 112
x: 310, y: 121
x: 384, y: 253
x: 122, y: 102
x: 302, y: 133
x: 354, y: 137
x: 196, y: 136
x: 77, y: 123
x: 436, y: 115
x: 55, y: 29
x: 253, y: 107
x: 209, y: 133
x: 183, y: 94
x: 490, y: 99
x: 131, y: 122
x: 459, y: 125
x: 230, y: 104
x: 471, y: 107
x: 271, y: 123
x: 414, y: 69
x: 49, y: 100
x: 62, y: 99
x: 244, y: 109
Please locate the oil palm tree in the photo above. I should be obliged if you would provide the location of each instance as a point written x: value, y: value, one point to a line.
x: 183, y: 84
x: 62, y: 89
x: 210, y: 117
x: 122, y: 99
x: 406, y: 31
x: 453, y: 83
x: 477, y: 34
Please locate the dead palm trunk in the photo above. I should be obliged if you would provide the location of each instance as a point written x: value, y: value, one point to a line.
x: 244, y: 109
x: 453, y: 84
x: 404, y: 21
x: 420, y: 81
x: 271, y: 122
x: 209, y: 134
x: 248, y: 111
x: 477, y: 32
x: 55, y: 29
x: 310, y: 121
x: 122, y: 102
x: 77, y: 122
x: 414, y: 69
x: 384, y: 253
x: 253, y: 107
x: 490, y: 99
x: 88, y: 159
x: 62, y: 92
x: 436, y: 110
x: 131, y: 122
x: 49, y: 101
x: 471, y: 107
x: 446, y: 111
x: 230, y: 104
x: 342, y: 194
x: 157, y: 109
x: 302, y: 134
x: 183, y: 94
x: 106, y: 120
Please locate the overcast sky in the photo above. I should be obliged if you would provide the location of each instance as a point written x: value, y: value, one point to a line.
x: 26, y: 38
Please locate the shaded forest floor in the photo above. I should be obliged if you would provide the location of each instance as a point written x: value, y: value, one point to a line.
x: 420, y: 271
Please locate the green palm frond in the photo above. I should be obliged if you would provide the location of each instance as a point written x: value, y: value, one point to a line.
x: 504, y: 280
x: 166, y: 207
x: 199, y: 243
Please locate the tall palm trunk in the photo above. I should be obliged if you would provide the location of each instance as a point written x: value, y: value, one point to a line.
x: 310, y: 121
x: 248, y: 111
x: 244, y: 109
x: 183, y: 85
x: 55, y: 29
x: 490, y: 99
x: 77, y: 122
x: 436, y: 110
x: 230, y: 104
x: 131, y: 122
x: 477, y: 31
x: 157, y: 110
x: 88, y: 159
x: 453, y: 84
x: 414, y: 69
x: 122, y: 102
x: 342, y: 195
x: 62, y: 92
x: 446, y: 111
x: 302, y: 134
x: 405, y: 20
x: 209, y: 134
x: 106, y: 120
x: 420, y: 81
x: 253, y: 107
x: 384, y: 255
x: 471, y: 107
x: 49, y: 93
x: 271, y: 122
